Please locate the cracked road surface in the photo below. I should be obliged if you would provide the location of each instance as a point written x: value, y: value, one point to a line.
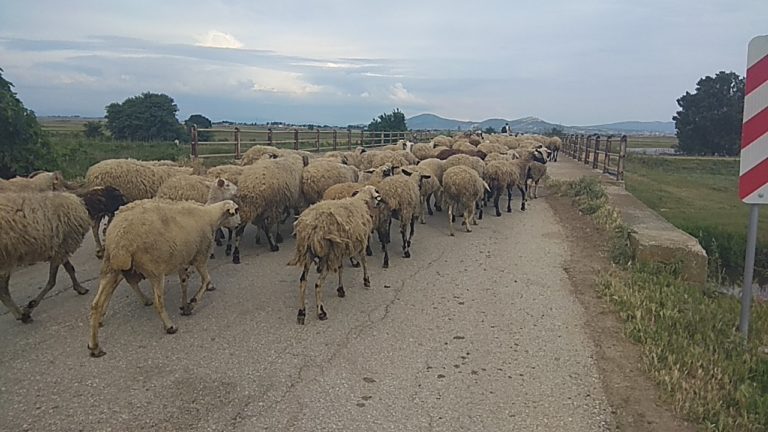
x: 480, y: 332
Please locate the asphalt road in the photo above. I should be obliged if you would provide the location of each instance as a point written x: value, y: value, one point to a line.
x: 478, y: 332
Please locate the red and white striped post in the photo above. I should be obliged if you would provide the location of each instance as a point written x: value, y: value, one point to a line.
x: 753, y: 171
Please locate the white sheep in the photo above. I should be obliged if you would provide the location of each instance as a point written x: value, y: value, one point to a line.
x: 135, y: 179
x: 152, y: 239
x: 39, y: 227
x: 536, y: 171
x: 327, y: 233
x: 503, y: 175
x: 320, y: 175
x: 401, y: 197
x: 462, y: 189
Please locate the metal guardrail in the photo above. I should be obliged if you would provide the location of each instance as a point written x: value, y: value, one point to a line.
x: 592, y: 150
x: 297, y: 139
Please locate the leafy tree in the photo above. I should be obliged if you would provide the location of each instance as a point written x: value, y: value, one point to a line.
x: 24, y: 146
x: 147, y: 117
x: 709, y: 120
x: 394, y: 122
x: 489, y: 130
x: 92, y: 129
x: 202, y: 122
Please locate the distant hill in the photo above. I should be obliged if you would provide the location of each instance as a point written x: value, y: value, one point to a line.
x: 537, y: 125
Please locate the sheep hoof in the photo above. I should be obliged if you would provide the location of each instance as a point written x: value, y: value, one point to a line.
x: 322, y: 316
x: 228, y: 250
x: 99, y: 254
x: 219, y: 242
x: 340, y: 292
x: 236, y: 258
x: 258, y: 240
x: 509, y: 209
x: 186, y: 310
x: 80, y: 289
x: 212, y: 256
x: 367, y: 282
x: 429, y: 212
x: 279, y: 238
x: 438, y: 208
x: 522, y: 208
x: 385, y: 265
x: 423, y: 222
x: 274, y: 247
x: 407, y: 254
x: 210, y: 287
x: 453, y: 235
x: 25, y: 317
x: 148, y: 302
x: 32, y: 304
x: 368, y: 251
x: 172, y: 329
x: 300, y: 317
x: 96, y: 352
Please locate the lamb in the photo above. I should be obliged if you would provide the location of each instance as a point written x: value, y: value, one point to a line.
x: 553, y: 145
x: 462, y: 188
x: 503, y: 175
x: 374, y: 176
x: 136, y: 180
x: 39, y: 227
x: 428, y: 187
x: 319, y: 176
x: 536, y: 171
x: 400, y: 194
x: 326, y: 234
x: 101, y: 202
x: 267, y: 188
x: 39, y: 181
x: 152, y: 239
x: 435, y: 167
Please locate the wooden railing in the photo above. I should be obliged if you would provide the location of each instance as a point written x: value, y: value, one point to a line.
x: 608, y: 154
x: 232, y: 143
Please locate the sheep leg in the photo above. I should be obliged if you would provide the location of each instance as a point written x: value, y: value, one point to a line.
x: 219, y: 237
x: 133, y: 280
x: 238, y: 235
x: 158, y: 287
x: 228, y: 250
x: 5, y: 297
x: 404, y: 235
x: 205, y: 285
x: 439, y: 201
x: 450, y: 219
x: 509, y: 199
x: 340, y: 289
x: 321, y: 314
x: 302, y: 289
x: 422, y: 206
x: 53, y: 271
x: 272, y: 245
x: 383, y: 240
x: 366, y: 279
x: 278, y: 236
x: 97, y: 238
x: 468, y: 215
x: 479, y: 208
x: 353, y: 262
x: 496, y: 196
x: 185, y: 307
x: 536, y: 189
x: 368, y: 250
x: 429, y: 204
x: 107, y: 286
x: 70, y: 269
x: 410, y: 234
x: 522, y: 200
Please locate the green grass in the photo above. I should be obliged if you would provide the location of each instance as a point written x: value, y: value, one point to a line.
x: 651, y: 142
x: 688, y: 336
x: 700, y: 196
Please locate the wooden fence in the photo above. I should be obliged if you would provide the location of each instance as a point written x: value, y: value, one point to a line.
x: 297, y: 139
x: 608, y: 154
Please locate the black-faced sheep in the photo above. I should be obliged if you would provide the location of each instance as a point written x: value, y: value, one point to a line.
x: 101, y: 202
x: 152, y: 239
x: 462, y: 189
x: 326, y: 234
x: 39, y: 227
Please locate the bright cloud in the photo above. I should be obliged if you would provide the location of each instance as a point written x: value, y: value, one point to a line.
x: 398, y: 93
x: 218, y: 39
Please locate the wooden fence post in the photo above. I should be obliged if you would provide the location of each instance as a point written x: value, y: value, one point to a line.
x: 335, y: 139
x: 596, y: 152
x: 270, y: 140
x: 295, y: 139
x: 382, y: 138
x: 237, y: 143
x: 193, y: 131
x: 581, y: 145
x: 349, y: 139
x: 317, y: 139
x: 362, y: 137
x: 586, y: 149
x: 607, y: 158
x: 622, y: 157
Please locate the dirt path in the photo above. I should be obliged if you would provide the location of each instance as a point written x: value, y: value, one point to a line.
x: 478, y: 332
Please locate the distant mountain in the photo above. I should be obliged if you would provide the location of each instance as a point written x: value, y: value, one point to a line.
x: 536, y: 125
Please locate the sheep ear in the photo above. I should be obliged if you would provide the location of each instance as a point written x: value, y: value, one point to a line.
x: 305, y: 159
x: 405, y: 171
x: 370, y: 171
x: 220, y: 182
x: 426, y: 176
x: 355, y: 193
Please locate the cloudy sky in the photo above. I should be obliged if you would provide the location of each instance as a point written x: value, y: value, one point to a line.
x: 346, y: 61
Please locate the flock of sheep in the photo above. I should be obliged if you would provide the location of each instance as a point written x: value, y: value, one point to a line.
x: 164, y: 219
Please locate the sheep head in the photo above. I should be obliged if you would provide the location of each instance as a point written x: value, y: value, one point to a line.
x: 230, y: 214
x: 370, y: 195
